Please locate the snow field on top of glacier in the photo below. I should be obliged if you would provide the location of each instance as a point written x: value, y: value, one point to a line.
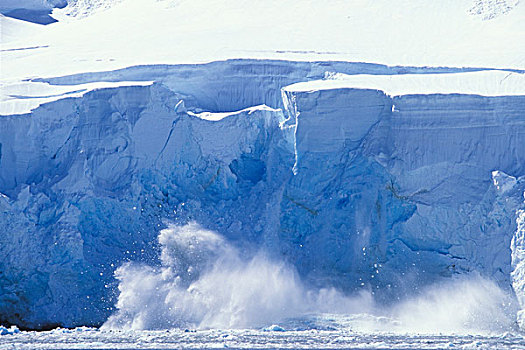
x: 134, y: 32
x: 93, y: 35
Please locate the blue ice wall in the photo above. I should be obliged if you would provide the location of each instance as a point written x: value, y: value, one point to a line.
x: 355, y: 188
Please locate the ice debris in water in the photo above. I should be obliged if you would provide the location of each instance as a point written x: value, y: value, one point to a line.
x: 11, y: 330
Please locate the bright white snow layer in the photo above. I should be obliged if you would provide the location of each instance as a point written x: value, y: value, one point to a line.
x: 217, y: 116
x: 133, y: 32
x: 23, y: 97
x: 485, y: 83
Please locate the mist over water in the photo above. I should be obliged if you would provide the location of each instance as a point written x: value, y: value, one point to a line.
x: 204, y: 282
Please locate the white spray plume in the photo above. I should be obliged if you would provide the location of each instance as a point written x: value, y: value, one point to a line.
x: 203, y: 282
x: 468, y: 304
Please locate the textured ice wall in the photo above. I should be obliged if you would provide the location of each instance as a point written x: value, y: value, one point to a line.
x: 514, y: 188
x: 87, y: 183
x: 356, y: 189
x: 444, y: 166
x: 405, y: 191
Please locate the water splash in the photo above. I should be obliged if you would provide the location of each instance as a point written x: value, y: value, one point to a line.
x: 204, y: 282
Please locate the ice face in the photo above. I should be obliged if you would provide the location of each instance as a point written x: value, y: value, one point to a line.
x: 351, y: 187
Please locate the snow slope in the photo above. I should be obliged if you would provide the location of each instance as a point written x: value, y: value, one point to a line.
x: 400, y: 32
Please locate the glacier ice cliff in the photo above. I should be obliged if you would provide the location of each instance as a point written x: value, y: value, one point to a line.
x: 356, y: 188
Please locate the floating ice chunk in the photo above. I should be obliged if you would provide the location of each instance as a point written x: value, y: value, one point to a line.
x: 9, y: 331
